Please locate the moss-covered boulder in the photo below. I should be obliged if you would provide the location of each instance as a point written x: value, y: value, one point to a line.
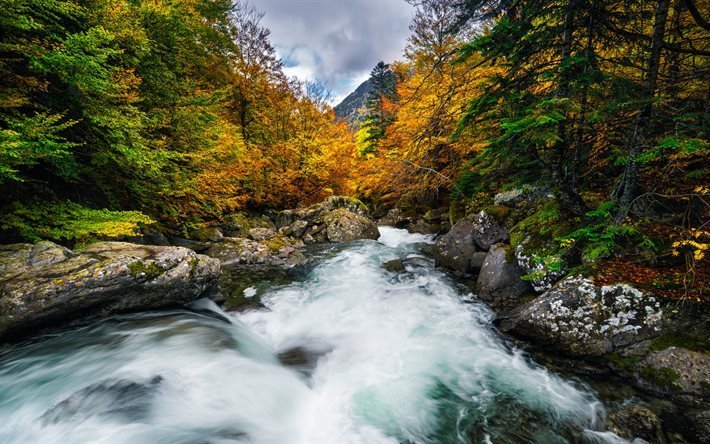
x: 344, y: 226
x: 47, y: 285
x: 275, y: 251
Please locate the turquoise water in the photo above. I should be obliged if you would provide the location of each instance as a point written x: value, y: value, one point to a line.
x: 349, y: 354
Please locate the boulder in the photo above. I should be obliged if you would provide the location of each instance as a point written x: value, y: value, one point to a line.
x: 47, y: 285
x: 676, y: 370
x: 296, y: 229
x: 421, y: 226
x: 315, y: 212
x: 345, y: 226
x: 260, y: 234
x: 394, y: 218
x: 499, y: 281
x: 478, y: 232
x: 277, y: 251
x: 634, y: 421
x: 394, y: 266
x: 486, y: 231
x: 207, y: 234
x: 580, y: 319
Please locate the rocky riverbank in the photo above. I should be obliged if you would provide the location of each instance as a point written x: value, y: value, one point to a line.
x: 615, y: 331
x: 46, y: 285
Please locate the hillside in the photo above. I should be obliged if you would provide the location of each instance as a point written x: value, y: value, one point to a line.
x: 350, y: 108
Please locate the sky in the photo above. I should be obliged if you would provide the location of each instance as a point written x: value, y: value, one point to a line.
x: 336, y: 41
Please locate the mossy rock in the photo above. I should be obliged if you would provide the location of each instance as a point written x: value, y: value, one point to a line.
x: 151, y: 270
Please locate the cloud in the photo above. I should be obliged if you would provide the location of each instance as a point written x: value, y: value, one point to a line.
x: 336, y: 41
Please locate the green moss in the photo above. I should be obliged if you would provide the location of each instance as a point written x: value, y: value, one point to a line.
x: 150, y: 270
x: 681, y: 340
x: 509, y: 254
x: 663, y: 377
x: 539, y: 228
x: 498, y: 212
x: 626, y: 363
x: 193, y: 266
x: 276, y: 244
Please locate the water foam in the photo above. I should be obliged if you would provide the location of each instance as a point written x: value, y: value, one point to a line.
x: 396, y: 358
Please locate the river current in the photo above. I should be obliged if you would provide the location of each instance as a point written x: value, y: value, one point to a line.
x: 351, y: 353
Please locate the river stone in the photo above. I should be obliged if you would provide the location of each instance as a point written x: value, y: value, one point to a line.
x: 345, y: 226
x: 394, y: 218
x: 277, y: 251
x: 207, y: 234
x: 676, y: 370
x: 55, y: 286
x: 260, y: 234
x: 314, y: 213
x: 296, y: 229
x: 499, y: 281
x: 394, y: 266
x: 111, y: 397
x: 632, y: 421
x: 580, y: 319
x: 456, y: 249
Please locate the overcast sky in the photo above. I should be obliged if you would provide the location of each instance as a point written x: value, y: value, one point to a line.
x: 336, y: 41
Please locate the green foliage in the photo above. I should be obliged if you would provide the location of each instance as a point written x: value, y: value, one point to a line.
x: 28, y: 140
x: 600, y: 238
x: 70, y: 223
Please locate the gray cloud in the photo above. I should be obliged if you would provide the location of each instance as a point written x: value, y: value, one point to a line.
x: 336, y: 41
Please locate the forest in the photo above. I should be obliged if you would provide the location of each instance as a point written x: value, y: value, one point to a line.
x: 116, y: 116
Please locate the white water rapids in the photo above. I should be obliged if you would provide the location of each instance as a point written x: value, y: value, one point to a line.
x: 375, y: 357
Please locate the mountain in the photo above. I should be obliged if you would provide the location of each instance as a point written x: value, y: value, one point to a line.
x: 350, y: 109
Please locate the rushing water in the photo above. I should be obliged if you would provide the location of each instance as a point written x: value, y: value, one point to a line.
x: 351, y: 354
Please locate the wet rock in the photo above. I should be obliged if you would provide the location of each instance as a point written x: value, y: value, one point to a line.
x: 315, y: 213
x: 676, y: 370
x: 394, y: 218
x: 56, y: 286
x: 345, y: 226
x: 126, y: 399
x: 632, y: 422
x: 580, y: 319
x: 260, y: 234
x: 422, y: 227
x: 303, y: 359
x: 478, y: 232
x: 499, y: 281
x: 296, y: 229
x: 394, y: 266
x: 197, y: 246
x: 277, y: 251
x: 207, y: 234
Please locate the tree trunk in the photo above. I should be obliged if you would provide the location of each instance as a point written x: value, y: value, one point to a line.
x: 568, y: 195
x: 637, y: 141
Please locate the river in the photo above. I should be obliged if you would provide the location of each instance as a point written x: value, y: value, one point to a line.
x: 351, y: 353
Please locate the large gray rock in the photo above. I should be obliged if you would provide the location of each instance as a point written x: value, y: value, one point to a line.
x: 260, y: 234
x: 676, y: 370
x: 46, y: 284
x: 499, y: 282
x: 456, y: 249
x: 278, y: 251
x: 581, y: 319
x: 316, y: 212
x: 345, y: 226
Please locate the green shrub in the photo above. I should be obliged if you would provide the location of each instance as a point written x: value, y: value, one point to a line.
x: 70, y: 223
